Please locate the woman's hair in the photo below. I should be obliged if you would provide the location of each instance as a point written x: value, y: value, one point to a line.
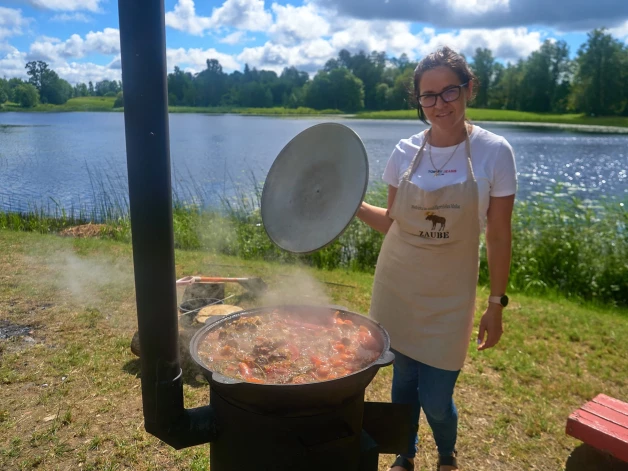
x: 443, y: 57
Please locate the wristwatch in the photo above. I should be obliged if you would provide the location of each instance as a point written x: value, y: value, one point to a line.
x: 501, y: 300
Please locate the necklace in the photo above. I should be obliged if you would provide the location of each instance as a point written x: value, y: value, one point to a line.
x: 439, y: 171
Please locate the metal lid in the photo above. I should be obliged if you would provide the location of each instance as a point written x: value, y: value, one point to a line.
x: 314, y: 188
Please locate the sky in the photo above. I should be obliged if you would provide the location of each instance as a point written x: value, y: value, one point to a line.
x: 79, y: 39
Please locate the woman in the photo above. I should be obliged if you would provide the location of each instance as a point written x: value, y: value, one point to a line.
x: 445, y: 185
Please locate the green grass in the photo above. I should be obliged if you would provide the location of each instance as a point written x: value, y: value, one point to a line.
x: 476, y: 114
x: 276, y: 111
x: 73, y: 104
x: 513, y: 400
x: 106, y: 104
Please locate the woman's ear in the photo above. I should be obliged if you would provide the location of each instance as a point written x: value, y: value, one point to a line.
x: 469, y: 87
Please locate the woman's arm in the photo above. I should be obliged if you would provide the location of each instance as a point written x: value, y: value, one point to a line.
x: 377, y: 217
x: 498, y: 250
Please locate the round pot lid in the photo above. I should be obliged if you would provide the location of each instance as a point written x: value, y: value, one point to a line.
x: 314, y: 188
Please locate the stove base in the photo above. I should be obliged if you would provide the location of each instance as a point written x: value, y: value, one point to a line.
x: 331, y: 441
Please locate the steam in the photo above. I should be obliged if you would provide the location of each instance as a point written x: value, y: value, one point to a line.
x: 297, y: 287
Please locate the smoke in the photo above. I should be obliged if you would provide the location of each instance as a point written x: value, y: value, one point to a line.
x: 92, y: 281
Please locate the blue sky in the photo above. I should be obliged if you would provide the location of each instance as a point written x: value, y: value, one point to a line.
x: 80, y: 38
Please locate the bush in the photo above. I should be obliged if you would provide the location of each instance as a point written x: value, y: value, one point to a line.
x: 26, y: 95
x: 119, y: 103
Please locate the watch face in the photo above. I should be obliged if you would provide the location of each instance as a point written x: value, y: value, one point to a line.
x: 504, y: 300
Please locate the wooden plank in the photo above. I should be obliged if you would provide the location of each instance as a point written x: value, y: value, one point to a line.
x: 611, y: 403
x: 606, y: 413
x: 599, y: 433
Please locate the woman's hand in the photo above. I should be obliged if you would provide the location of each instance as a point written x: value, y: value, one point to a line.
x: 490, y: 327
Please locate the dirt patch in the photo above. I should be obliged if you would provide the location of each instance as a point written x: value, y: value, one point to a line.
x: 8, y: 330
x: 85, y: 230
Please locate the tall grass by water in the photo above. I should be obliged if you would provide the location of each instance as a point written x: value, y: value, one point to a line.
x: 560, y: 245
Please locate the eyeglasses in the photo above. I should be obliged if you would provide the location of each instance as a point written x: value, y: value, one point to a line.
x: 451, y: 94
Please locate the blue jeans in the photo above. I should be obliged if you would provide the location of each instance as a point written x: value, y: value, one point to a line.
x: 432, y: 389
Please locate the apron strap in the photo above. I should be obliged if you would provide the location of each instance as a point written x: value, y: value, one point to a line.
x: 417, y: 157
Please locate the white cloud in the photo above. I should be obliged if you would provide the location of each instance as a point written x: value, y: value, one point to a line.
x: 508, y: 44
x: 12, y: 64
x: 184, y: 18
x: 195, y: 60
x: 65, y: 17
x: 308, y: 56
x: 394, y: 37
x: 476, y: 7
x: 67, y: 5
x: 621, y: 32
x: 295, y: 24
x: 75, y: 72
x: 234, y: 38
x: 11, y: 22
x: 104, y: 42
x: 242, y: 14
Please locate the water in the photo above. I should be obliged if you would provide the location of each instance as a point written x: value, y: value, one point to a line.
x: 74, y: 160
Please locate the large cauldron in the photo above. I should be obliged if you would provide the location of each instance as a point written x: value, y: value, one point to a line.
x: 291, y: 399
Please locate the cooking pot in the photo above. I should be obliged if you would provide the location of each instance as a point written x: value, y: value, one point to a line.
x: 294, y: 399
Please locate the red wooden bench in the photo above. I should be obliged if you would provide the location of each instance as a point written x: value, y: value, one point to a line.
x: 603, y: 424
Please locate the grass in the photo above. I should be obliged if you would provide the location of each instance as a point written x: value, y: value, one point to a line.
x: 95, y: 103
x: 476, y: 114
x: 73, y: 104
x: 70, y: 396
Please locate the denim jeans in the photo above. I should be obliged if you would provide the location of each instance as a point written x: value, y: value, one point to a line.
x: 431, y: 389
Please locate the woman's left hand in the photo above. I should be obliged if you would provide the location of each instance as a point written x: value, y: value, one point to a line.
x: 490, y: 327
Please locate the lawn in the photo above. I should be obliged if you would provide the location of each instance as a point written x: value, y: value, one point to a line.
x: 476, y: 114
x: 106, y: 104
x: 70, y: 389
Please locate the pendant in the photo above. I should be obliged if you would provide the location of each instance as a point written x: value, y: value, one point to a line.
x: 438, y: 173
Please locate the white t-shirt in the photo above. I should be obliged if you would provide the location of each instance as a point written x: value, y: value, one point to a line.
x: 492, y: 159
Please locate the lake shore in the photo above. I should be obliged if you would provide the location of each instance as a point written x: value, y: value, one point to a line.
x: 568, y: 121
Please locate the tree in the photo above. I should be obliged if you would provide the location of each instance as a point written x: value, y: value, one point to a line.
x: 180, y: 88
x: 26, y: 95
x: 4, y: 90
x: 483, y: 67
x: 51, y: 88
x: 600, y: 79
x: 90, y: 89
x: 80, y: 89
x: 544, y: 72
x: 506, y: 94
x: 211, y: 84
x: 338, y: 89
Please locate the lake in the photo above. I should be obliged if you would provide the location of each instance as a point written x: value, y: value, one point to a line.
x: 75, y: 160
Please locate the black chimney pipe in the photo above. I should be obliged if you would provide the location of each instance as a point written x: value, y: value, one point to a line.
x: 144, y: 74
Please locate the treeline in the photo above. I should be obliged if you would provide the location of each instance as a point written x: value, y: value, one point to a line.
x: 594, y: 82
x: 45, y: 86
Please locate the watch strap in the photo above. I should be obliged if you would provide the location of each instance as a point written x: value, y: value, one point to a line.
x: 495, y: 300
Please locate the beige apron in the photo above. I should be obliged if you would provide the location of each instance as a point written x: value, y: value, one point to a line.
x: 427, y: 271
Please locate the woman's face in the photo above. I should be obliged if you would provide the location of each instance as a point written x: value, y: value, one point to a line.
x: 445, y: 116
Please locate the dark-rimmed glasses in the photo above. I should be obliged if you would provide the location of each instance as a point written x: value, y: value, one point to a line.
x: 451, y: 94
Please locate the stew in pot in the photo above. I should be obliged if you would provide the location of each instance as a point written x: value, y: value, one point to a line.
x: 283, y: 347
